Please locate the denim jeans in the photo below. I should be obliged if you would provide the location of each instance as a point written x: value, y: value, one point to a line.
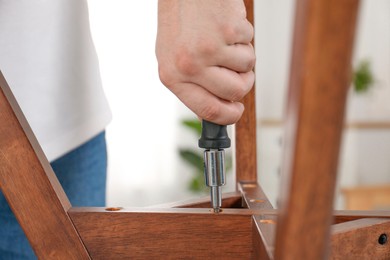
x: 82, y: 174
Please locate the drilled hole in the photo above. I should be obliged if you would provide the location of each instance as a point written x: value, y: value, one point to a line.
x: 382, y: 239
x: 267, y: 221
x: 212, y: 211
x: 114, y: 209
x: 256, y: 201
x: 249, y: 185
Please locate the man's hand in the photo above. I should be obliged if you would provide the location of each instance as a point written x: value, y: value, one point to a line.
x: 205, y: 56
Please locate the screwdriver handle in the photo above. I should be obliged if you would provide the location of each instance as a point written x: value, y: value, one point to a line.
x: 213, y: 136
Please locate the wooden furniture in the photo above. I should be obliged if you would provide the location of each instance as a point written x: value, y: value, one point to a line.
x: 305, y: 226
x: 370, y: 197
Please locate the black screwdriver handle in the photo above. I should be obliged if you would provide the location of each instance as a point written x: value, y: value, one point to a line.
x: 214, y: 136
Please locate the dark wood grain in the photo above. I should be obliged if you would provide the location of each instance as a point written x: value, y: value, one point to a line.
x: 319, y: 80
x: 245, y: 130
x: 165, y: 233
x: 31, y: 188
x: 359, y: 239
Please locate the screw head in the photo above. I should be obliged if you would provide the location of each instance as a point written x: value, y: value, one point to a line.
x: 382, y: 239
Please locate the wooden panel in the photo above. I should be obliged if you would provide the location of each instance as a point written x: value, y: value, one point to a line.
x: 245, y: 130
x: 264, y: 230
x: 165, y: 233
x: 341, y: 216
x: 361, y: 239
x: 263, y: 224
x: 31, y: 188
x: 319, y: 80
x: 253, y: 196
x: 229, y: 200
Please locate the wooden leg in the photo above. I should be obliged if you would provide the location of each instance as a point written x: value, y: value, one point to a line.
x: 245, y: 130
x: 31, y: 187
x: 319, y: 81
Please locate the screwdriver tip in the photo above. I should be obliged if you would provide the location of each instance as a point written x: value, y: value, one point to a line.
x: 217, y: 210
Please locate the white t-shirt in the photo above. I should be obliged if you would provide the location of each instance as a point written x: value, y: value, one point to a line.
x: 48, y: 58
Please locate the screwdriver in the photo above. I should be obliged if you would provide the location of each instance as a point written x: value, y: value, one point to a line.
x: 214, y: 139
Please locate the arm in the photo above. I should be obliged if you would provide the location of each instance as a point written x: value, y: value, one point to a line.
x: 205, y: 56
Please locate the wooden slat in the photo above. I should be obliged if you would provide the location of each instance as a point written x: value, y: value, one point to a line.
x: 245, y: 130
x: 361, y: 239
x: 320, y: 77
x: 263, y: 224
x: 31, y: 188
x: 341, y: 216
x: 165, y: 233
x: 229, y: 200
x: 264, y: 230
x: 253, y: 196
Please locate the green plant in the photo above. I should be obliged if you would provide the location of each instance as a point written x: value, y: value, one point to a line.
x: 363, y: 78
x: 194, y: 157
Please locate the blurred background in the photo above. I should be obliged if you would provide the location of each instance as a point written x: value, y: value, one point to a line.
x: 152, y: 140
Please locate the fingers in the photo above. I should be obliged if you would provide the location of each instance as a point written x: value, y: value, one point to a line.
x: 205, y: 55
x: 225, y: 83
x: 239, y: 32
x: 206, y: 105
x: 237, y: 57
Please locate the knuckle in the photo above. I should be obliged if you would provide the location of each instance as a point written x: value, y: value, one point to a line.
x: 185, y: 62
x: 206, y: 47
x: 230, y: 32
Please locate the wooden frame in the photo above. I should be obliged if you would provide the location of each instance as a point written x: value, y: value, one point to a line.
x: 305, y: 227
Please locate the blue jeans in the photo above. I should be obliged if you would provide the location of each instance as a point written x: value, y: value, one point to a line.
x: 82, y: 174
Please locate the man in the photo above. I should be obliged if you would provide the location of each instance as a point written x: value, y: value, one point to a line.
x: 47, y: 55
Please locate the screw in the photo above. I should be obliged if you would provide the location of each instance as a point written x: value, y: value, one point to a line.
x: 382, y: 239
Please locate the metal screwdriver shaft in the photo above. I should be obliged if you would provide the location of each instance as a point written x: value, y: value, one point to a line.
x: 214, y: 139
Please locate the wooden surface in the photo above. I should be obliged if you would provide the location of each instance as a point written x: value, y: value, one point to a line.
x: 31, y: 188
x: 178, y: 233
x: 263, y: 224
x: 367, y: 197
x: 259, y: 249
x: 248, y: 227
x: 319, y: 79
x: 253, y: 196
x: 229, y: 200
x: 165, y: 234
x: 360, y: 239
x: 245, y: 130
x: 340, y: 216
x: 264, y: 230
